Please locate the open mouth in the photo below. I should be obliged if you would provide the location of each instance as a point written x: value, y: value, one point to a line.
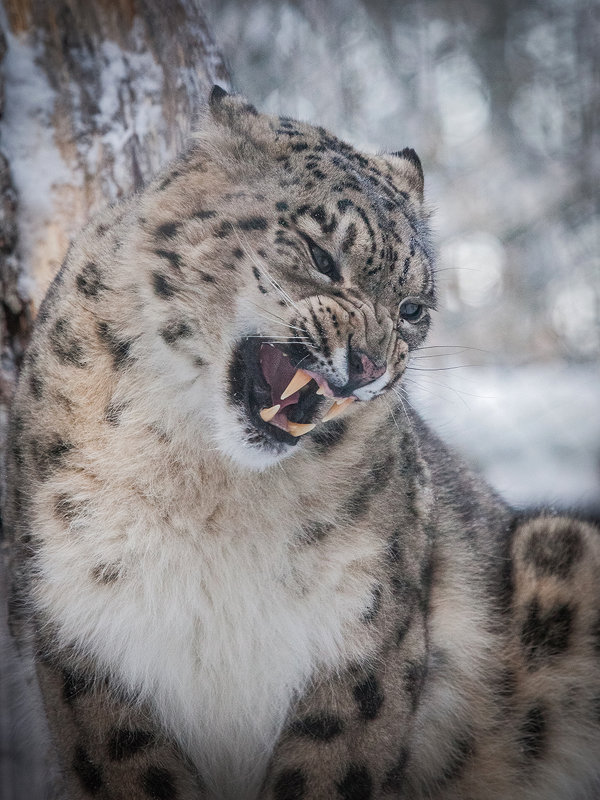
x: 282, y: 400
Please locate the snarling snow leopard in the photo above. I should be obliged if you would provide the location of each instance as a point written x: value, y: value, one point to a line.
x: 244, y: 565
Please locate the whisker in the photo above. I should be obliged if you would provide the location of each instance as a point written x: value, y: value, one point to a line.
x: 458, y: 347
x: 404, y: 393
x: 276, y: 336
x: 436, y: 394
x: 403, y: 408
x: 275, y: 319
x: 391, y: 410
x: 443, y: 369
x: 458, y: 392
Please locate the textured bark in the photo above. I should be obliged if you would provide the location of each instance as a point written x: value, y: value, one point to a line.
x: 95, y: 95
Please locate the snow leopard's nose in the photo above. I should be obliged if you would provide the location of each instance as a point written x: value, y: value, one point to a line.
x: 362, y: 369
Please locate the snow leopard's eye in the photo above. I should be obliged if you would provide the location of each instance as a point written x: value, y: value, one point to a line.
x: 323, y: 261
x: 411, y: 311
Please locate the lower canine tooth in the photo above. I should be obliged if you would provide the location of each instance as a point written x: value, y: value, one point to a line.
x: 299, y: 380
x: 298, y: 429
x: 267, y: 414
x: 337, y: 408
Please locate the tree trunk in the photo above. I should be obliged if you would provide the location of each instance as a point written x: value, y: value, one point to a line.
x: 95, y: 95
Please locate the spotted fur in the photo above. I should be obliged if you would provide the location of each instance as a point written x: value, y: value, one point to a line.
x: 217, y: 612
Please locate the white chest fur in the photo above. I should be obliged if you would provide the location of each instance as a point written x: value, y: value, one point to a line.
x: 217, y: 628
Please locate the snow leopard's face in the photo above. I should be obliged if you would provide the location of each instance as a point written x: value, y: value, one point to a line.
x: 315, y: 271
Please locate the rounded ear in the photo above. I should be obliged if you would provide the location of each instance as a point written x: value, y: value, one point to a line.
x: 217, y: 93
x: 225, y: 107
x: 407, y: 165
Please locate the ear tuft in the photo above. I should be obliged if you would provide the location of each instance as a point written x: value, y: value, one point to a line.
x: 226, y: 108
x: 217, y: 93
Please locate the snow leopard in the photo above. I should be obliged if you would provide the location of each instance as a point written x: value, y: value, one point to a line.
x: 244, y: 566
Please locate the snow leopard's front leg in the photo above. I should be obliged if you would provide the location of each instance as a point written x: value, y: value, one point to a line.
x: 107, y: 746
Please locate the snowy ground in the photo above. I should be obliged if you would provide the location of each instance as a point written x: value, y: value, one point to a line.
x: 533, y: 431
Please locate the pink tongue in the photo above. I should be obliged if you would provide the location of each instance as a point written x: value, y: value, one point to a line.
x: 278, y: 373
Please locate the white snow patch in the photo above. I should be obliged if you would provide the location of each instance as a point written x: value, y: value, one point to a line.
x: 534, y: 431
x: 27, y: 139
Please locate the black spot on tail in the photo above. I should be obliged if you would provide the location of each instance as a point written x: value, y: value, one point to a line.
x: 546, y: 635
x: 553, y: 553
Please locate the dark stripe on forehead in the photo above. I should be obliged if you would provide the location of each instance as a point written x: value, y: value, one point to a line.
x: 349, y: 238
x: 363, y: 215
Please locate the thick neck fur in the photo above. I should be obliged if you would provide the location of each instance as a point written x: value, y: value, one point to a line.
x: 204, y: 596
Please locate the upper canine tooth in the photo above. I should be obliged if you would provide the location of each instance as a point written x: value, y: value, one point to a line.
x: 337, y: 408
x: 267, y: 414
x: 299, y: 380
x: 298, y: 429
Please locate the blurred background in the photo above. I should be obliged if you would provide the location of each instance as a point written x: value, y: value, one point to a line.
x: 502, y: 102
x: 501, y: 99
